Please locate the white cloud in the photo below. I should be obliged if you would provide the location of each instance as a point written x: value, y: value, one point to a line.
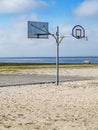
x: 16, y: 43
x: 87, y: 8
x: 1, y: 33
x: 13, y: 6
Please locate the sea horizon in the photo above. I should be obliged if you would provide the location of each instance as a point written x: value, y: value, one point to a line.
x: 40, y: 56
x: 67, y: 59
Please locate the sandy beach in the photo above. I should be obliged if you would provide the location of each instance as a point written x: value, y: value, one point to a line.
x: 71, y: 105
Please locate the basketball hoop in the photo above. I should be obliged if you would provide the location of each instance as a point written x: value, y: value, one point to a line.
x: 39, y: 30
x: 78, y: 32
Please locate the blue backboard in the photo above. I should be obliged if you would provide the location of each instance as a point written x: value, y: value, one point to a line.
x: 38, y: 30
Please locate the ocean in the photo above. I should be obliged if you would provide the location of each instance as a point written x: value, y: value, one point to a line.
x: 67, y: 60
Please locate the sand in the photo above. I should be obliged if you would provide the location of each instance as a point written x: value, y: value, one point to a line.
x: 70, y: 106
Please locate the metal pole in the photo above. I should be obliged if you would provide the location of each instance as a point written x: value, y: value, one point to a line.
x: 57, y: 57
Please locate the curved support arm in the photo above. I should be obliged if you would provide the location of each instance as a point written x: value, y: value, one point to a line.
x: 54, y: 36
x: 61, y: 38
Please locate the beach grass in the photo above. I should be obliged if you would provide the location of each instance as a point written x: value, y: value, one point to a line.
x: 17, y: 66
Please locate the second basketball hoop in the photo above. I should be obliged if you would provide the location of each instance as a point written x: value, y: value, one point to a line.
x: 78, y: 32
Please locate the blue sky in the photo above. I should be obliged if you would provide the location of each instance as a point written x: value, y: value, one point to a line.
x: 14, y: 15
